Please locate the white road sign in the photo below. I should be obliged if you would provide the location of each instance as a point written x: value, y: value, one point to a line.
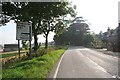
x: 23, y: 31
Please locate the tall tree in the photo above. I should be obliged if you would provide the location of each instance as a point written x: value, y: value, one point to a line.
x: 53, y: 20
x: 23, y: 11
x: 39, y: 14
x: 74, y: 34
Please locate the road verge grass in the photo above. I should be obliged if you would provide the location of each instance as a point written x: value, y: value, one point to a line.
x: 35, y: 68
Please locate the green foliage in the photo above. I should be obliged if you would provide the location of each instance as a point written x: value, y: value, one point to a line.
x: 78, y: 34
x: 45, y: 17
x: 40, y: 52
x: 53, y: 20
x: 73, y: 35
x: 39, y: 67
x: 103, y: 38
x: 91, y: 40
x: 25, y: 45
x: 97, y: 43
x: 88, y: 39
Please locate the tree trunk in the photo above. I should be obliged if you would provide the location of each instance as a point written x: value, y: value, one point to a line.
x: 35, y: 37
x: 35, y: 41
x: 46, y: 41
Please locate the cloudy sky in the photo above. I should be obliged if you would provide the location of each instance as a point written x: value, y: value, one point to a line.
x: 100, y: 14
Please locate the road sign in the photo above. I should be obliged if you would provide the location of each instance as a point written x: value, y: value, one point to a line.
x: 23, y: 31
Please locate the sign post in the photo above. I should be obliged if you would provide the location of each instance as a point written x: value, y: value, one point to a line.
x: 19, y: 48
x: 30, y: 38
x: 24, y: 32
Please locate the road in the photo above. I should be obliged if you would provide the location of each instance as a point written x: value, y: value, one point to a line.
x: 80, y: 62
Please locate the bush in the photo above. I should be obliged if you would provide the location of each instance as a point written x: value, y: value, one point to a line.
x: 40, y: 52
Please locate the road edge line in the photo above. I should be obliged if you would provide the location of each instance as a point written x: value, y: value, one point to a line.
x: 56, y: 71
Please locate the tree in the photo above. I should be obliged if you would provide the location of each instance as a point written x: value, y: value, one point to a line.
x: 62, y: 39
x: 88, y: 39
x: 103, y: 38
x: 74, y: 34
x: 39, y: 14
x: 53, y: 20
x: 23, y: 11
x: 78, y: 34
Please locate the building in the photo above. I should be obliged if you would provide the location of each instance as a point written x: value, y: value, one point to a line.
x: 10, y: 47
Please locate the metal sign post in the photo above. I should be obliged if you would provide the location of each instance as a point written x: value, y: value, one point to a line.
x: 24, y: 32
x: 19, y: 48
x: 30, y: 36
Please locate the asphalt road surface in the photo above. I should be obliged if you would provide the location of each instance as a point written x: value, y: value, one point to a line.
x: 80, y: 62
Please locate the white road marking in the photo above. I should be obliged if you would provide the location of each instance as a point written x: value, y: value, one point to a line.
x: 114, y: 76
x: 56, y: 72
x: 101, y: 68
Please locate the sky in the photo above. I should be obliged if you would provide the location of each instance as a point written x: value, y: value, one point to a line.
x: 100, y: 14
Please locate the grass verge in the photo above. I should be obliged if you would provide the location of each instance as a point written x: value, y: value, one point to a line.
x: 35, y: 68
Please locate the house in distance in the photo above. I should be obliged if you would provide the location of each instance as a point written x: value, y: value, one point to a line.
x: 10, y: 47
